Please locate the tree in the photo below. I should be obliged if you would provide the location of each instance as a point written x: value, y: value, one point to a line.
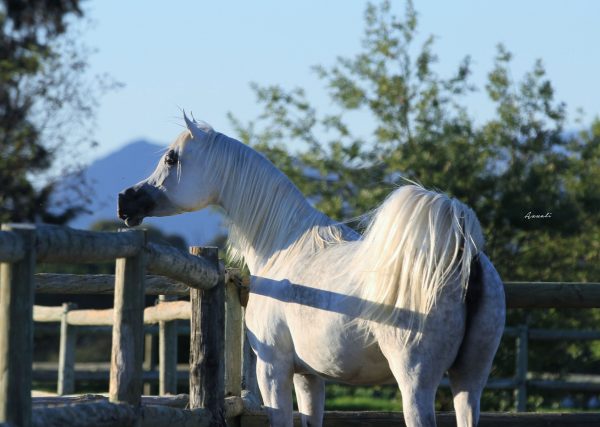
x: 43, y: 91
x: 521, y: 161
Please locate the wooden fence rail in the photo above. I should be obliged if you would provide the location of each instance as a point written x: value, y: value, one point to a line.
x: 552, y: 294
x: 99, y: 284
x: 164, y: 312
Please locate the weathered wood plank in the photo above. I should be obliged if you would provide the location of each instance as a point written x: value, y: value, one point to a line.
x: 194, y: 271
x: 563, y: 334
x: 552, y: 294
x: 11, y: 247
x: 150, y: 362
x: 257, y: 417
x: 52, y: 328
x: 249, y: 380
x: 569, y: 383
x: 107, y: 414
x: 85, y: 372
x: 90, y: 317
x: 163, y: 416
x: 57, y: 244
x: 167, y: 352
x: 52, y: 283
x: 233, y: 340
x: 16, y: 331
x: 66, y: 354
x: 128, y: 331
x: 96, y: 414
x: 168, y: 311
x: 207, y: 343
x: 42, y: 313
x: 518, y: 294
x: 522, y: 367
x: 444, y: 419
x: 234, y: 405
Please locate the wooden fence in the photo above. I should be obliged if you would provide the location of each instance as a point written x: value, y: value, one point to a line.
x: 21, y: 246
x: 167, y: 375
x: 217, y: 348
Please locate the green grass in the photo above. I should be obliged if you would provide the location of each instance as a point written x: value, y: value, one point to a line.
x: 361, y: 403
x: 377, y: 398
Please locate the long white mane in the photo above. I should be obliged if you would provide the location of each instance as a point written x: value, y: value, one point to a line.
x: 270, y: 218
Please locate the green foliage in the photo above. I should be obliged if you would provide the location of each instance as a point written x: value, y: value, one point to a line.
x: 518, y: 162
x: 45, y: 103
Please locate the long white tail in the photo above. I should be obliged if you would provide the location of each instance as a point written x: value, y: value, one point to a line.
x: 417, y: 242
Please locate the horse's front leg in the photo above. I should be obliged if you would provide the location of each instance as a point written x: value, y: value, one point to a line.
x: 310, y: 393
x: 275, y: 383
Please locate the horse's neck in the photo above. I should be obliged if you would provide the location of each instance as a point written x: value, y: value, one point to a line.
x: 270, y: 218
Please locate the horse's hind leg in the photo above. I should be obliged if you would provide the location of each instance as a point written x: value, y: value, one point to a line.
x: 310, y: 393
x: 468, y: 375
x: 418, y: 404
x: 418, y: 377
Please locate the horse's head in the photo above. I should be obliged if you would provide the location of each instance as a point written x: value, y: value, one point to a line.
x: 178, y: 184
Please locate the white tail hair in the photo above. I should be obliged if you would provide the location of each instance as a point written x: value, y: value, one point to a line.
x: 417, y: 242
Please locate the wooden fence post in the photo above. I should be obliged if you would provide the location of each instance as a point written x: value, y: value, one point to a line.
x: 207, y: 336
x: 249, y: 383
x: 167, y: 349
x: 521, y: 368
x: 233, y: 344
x: 150, y: 340
x: 66, y: 353
x: 16, y: 331
x: 128, y: 330
x: 233, y: 340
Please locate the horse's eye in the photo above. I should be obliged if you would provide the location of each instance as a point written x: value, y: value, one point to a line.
x: 171, y: 158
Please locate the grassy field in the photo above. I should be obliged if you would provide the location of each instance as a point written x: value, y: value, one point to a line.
x: 377, y: 398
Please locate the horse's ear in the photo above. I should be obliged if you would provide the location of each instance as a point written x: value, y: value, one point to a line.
x: 197, y: 132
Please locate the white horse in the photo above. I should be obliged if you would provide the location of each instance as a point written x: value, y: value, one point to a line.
x: 411, y: 299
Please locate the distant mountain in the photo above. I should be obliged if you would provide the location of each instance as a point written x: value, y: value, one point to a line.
x: 132, y: 163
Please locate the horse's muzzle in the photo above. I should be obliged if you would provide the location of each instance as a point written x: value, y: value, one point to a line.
x: 134, y: 205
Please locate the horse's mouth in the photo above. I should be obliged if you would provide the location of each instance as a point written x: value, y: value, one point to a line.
x: 133, y: 221
x: 129, y: 219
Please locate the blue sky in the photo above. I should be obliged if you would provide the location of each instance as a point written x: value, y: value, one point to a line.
x: 202, y: 55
